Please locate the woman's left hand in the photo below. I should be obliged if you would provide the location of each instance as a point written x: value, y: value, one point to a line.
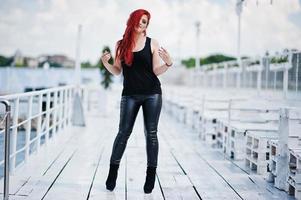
x: 165, y: 56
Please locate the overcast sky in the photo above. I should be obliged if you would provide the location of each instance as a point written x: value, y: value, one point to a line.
x: 50, y: 26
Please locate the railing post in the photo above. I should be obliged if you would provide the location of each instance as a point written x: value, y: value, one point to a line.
x: 259, y: 78
x: 71, y: 94
x: 213, y: 72
x: 282, y: 157
x: 28, y: 129
x: 225, y: 75
x: 65, y: 109
x: 47, y: 117
x: 14, y: 134
x: 7, y: 149
x: 228, y: 143
x: 238, y: 76
x: 200, y: 132
x: 54, y: 116
x: 266, y: 70
x: 285, y: 74
x: 39, y: 122
x: 60, y: 102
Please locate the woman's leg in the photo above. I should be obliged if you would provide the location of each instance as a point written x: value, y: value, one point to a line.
x: 129, y: 107
x: 151, y: 113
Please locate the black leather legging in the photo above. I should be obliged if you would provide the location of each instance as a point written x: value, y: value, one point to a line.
x: 129, y: 107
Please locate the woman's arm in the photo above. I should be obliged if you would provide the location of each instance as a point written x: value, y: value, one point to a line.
x: 114, y: 69
x: 157, y: 54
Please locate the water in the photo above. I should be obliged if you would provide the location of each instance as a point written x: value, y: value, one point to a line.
x: 15, y: 80
x: 20, y: 144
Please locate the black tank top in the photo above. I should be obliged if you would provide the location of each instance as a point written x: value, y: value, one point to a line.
x: 139, y: 78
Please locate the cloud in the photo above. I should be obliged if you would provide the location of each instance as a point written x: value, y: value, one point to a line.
x: 38, y: 27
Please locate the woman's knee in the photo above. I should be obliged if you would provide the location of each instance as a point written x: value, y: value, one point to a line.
x: 150, y: 129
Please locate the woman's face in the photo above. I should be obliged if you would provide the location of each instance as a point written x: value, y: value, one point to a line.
x: 142, y: 24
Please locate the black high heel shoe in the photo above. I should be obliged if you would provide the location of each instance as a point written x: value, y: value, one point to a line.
x: 150, y: 179
x: 111, y: 180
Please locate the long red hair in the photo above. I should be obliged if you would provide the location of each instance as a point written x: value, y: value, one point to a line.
x: 127, y: 43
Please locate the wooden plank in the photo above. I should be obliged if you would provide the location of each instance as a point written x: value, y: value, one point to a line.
x: 175, y: 183
x: 38, y: 164
x: 76, y: 178
x: 98, y: 190
x: 41, y: 184
x: 198, y: 172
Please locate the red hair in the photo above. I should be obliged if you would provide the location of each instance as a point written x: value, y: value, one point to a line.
x: 127, y: 43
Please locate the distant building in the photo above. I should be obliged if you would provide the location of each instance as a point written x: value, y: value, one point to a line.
x: 32, y: 62
x: 62, y: 60
x: 56, y: 61
x: 18, y: 59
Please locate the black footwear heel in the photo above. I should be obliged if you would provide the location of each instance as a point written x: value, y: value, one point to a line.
x: 111, y: 180
x: 150, y: 179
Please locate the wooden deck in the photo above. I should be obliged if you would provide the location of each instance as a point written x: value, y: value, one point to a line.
x: 75, y: 165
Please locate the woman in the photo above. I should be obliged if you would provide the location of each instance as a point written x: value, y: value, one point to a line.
x: 138, y: 57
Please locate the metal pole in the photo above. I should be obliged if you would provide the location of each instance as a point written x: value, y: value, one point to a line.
x: 197, y: 59
x: 285, y: 75
x: 78, y: 114
x: 77, y: 58
x: 6, y: 150
x: 238, y: 12
x: 259, y: 80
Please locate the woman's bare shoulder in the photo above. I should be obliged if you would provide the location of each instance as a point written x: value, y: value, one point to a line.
x: 154, y: 44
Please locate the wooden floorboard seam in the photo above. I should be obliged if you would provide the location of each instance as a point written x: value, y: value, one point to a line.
x: 59, y: 173
x: 94, y: 175
x: 196, y: 191
x: 160, y: 186
x: 22, y: 185
x: 220, y: 175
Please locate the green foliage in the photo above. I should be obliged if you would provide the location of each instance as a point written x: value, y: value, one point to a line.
x: 217, y: 58
x: 281, y: 59
x: 106, y: 75
x: 189, y: 63
x: 87, y: 64
x: 5, y: 61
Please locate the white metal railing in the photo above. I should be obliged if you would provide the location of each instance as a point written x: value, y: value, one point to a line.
x: 6, y: 120
x: 39, y: 115
x: 258, y: 73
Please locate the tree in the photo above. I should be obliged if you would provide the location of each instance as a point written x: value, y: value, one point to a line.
x: 87, y: 64
x: 5, y: 61
x: 106, y: 75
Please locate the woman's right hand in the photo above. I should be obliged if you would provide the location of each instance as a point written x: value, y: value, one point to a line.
x: 106, y: 57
